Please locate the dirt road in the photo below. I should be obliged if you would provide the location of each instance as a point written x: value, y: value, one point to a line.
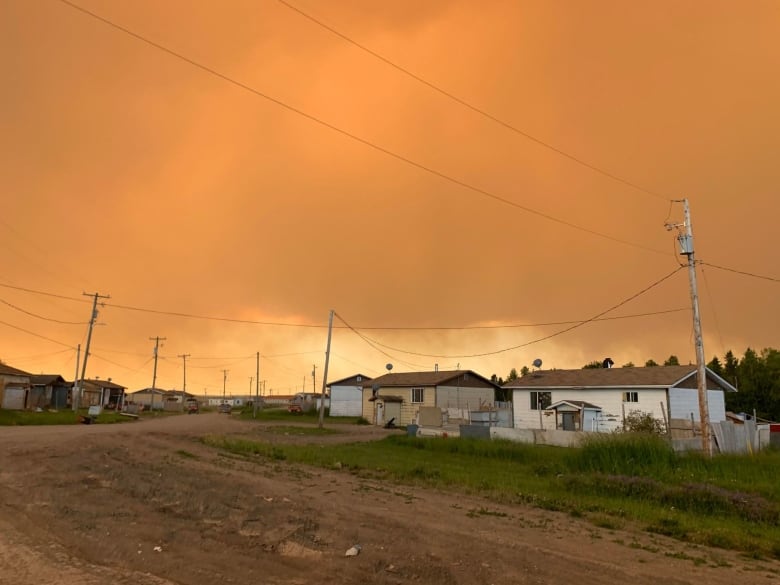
x: 147, y: 503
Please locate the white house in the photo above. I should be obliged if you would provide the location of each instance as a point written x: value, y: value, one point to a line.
x: 598, y: 399
x: 346, y: 396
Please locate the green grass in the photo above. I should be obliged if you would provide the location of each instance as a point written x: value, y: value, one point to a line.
x: 280, y: 414
x: 727, y: 501
x: 300, y: 430
x: 62, y: 417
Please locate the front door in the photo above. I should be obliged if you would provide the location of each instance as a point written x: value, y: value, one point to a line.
x: 568, y: 421
x: 393, y: 411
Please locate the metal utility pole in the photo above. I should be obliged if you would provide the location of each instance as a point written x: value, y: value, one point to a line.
x: 325, y: 373
x: 92, y: 320
x: 224, y: 380
x: 686, y: 249
x: 184, y: 357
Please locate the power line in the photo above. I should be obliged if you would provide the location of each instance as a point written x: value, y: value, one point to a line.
x: 42, y: 317
x: 769, y: 278
x: 355, y: 137
x: 37, y: 335
x: 323, y: 326
x: 471, y: 106
x: 374, y: 343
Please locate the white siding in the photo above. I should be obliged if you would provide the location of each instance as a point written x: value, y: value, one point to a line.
x: 346, y: 401
x: 610, y: 400
x: 685, y: 401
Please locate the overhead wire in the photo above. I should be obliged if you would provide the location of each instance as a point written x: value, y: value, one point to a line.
x: 471, y: 106
x: 742, y: 272
x: 377, y: 344
x: 430, y: 170
x: 69, y: 346
x: 41, y: 316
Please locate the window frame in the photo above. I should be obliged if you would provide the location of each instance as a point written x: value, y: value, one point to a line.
x: 535, y: 397
x: 630, y: 397
x: 421, y: 395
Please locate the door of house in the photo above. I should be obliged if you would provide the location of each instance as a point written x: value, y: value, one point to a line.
x: 568, y: 420
x: 13, y: 399
x: 393, y: 411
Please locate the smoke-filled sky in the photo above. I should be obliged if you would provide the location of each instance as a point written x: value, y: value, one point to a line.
x: 191, y: 175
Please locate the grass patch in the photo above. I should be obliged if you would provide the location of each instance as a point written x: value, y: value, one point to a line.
x: 300, y: 430
x: 280, y: 414
x: 60, y: 417
x: 727, y: 501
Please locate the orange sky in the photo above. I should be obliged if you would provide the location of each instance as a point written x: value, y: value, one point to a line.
x: 130, y: 172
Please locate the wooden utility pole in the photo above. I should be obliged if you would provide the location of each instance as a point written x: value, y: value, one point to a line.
x: 257, y: 386
x: 73, y: 399
x: 325, y: 373
x: 313, y: 379
x: 92, y: 320
x: 224, y: 381
x: 685, y: 238
x: 157, y: 341
x: 184, y: 357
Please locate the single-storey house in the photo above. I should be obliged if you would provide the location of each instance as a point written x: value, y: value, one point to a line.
x: 400, y: 396
x: 346, y: 395
x: 49, y: 391
x: 14, y: 387
x: 103, y: 393
x: 156, y: 398
x: 599, y: 399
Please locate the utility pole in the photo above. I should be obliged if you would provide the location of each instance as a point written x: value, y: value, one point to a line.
x: 257, y: 387
x: 686, y: 249
x: 92, y: 320
x: 325, y: 373
x: 73, y: 399
x: 313, y: 379
x: 184, y: 357
x: 154, y: 374
x: 224, y: 380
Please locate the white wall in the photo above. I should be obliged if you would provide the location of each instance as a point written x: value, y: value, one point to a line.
x: 346, y: 401
x: 684, y: 401
x: 610, y: 400
x: 463, y: 398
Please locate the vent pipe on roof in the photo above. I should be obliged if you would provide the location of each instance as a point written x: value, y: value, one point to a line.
x: 608, y: 363
x: 435, y: 367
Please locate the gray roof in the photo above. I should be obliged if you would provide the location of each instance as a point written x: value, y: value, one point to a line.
x: 578, y: 403
x: 46, y: 379
x: 351, y: 380
x: 652, y: 377
x: 406, y: 379
x: 9, y: 371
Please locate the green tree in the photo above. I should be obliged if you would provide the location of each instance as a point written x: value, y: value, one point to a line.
x: 512, y: 375
x: 716, y: 366
x: 628, y: 365
x: 643, y: 422
x: 651, y: 363
x: 593, y: 365
x: 672, y: 361
x: 524, y: 371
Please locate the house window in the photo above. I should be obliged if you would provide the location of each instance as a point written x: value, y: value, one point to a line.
x: 540, y: 400
x: 630, y: 396
x: 418, y: 395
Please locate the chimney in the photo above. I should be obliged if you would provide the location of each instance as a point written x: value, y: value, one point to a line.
x: 608, y: 363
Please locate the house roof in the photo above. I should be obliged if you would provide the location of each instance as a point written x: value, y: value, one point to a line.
x: 351, y: 380
x: 403, y: 379
x: 151, y: 391
x: 580, y: 404
x: 652, y: 377
x: 46, y: 379
x: 9, y: 371
x: 105, y: 384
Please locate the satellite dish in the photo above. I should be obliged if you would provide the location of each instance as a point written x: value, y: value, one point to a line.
x: 537, y: 363
x: 389, y: 367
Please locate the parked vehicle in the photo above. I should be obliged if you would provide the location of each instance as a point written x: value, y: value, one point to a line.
x: 225, y: 408
x: 192, y: 406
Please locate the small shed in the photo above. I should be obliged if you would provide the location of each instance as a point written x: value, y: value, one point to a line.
x: 346, y: 395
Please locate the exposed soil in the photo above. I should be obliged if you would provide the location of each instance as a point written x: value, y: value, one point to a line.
x: 147, y: 503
